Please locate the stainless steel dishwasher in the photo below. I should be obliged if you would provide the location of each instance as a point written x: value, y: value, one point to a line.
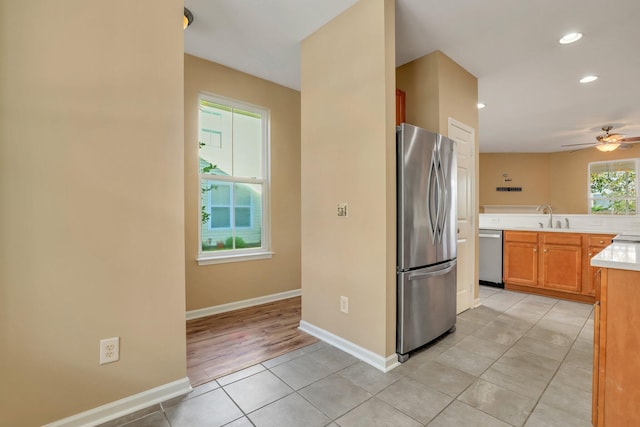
x: 490, y: 269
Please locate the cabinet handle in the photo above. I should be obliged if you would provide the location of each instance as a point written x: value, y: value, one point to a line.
x: 601, y: 241
x: 590, y: 254
x: 535, y: 250
x: 546, y: 250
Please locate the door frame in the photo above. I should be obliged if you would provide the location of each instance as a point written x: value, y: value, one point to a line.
x: 471, y: 264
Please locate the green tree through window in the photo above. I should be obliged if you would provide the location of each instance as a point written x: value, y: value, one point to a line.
x: 613, y: 187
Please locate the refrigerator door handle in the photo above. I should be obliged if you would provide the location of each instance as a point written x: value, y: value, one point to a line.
x: 442, y: 198
x: 433, y: 271
x: 436, y: 156
x: 445, y: 202
x: 432, y: 196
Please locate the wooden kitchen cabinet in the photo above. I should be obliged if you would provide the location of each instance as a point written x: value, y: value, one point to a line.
x: 520, y: 258
x: 616, y: 367
x: 595, y: 243
x: 555, y: 264
x: 561, y: 261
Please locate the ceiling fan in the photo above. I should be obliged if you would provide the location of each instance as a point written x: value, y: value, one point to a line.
x: 610, y: 141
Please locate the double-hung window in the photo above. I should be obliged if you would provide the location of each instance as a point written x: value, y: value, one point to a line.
x: 233, y: 167
x: 613, y: 187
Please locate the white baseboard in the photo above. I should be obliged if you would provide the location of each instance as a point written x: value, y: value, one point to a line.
x: 385, y: 364
x: 223, y: 308
x: 476, y: 303
x: 126, y: 406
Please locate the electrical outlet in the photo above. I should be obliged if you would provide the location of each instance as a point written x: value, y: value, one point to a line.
x: 109, y: 350
x: 342, y: 210
x: 344, y: 305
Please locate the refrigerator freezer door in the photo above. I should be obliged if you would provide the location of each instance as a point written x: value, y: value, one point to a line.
x: 426, y: 198
x: 426, y: 305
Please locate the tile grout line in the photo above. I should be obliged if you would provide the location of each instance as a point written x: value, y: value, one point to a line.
x: 510, y: 347
x: 556, y: 372
x: 500, y: 357
x: 456, y: 398
x: 400, y: 377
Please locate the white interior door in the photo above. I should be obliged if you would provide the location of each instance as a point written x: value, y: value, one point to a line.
x: 465, y: 155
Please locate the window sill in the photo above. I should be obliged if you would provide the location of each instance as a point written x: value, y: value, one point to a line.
x: 221, y: 259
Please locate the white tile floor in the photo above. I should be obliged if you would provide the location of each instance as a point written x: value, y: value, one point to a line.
x: 518, y: 360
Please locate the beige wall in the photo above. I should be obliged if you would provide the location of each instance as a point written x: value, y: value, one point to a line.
x: 458, y: 95
x: 348, y: 110
x: 559, y: 179
x: 568, y: 179
x: 91, y: 212
x: 527, y: 170
x: 217, y: 284
x: 437, y: 88
x: 419, y: 79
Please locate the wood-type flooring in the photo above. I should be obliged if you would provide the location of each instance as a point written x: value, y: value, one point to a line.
x: 224, y: 343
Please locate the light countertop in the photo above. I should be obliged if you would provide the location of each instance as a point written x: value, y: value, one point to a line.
x: 620, y: 255
x: 555, y: 230
x: 592, y: 224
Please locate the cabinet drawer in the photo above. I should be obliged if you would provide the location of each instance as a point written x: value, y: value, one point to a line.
x: 562, y: 239
x: 600, y: 240
x: 521, y: 236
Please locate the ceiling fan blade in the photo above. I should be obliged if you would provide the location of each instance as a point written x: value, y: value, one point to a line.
x: 573, y: 145
x: 632, y: 139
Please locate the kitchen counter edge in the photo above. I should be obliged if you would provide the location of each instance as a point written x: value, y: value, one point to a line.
x: 620, y: 255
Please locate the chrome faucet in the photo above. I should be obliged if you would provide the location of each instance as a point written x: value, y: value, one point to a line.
x: 548, y: 209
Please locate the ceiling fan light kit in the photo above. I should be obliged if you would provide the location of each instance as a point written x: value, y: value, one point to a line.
x: 610, y: 141
x: 607, y: 147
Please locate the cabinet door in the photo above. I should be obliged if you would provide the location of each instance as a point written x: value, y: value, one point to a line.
x: 521, y: 263
x: 562, y: 267
x: 595, y: 244
x: 590, y: 288
x: 619, y: 364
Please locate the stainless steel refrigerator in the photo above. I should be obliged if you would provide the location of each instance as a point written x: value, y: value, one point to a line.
x: 426, y: 270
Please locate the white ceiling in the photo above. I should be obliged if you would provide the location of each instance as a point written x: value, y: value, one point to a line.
x: 527, y: 79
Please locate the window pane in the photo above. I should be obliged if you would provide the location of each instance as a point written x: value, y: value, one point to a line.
x: 247, y: 142
x: 220, y: 193
x: 613, y: 187
x: 243, y: 194
x: 215, y: 138
x: 248, y: 215
x: 600, y: 207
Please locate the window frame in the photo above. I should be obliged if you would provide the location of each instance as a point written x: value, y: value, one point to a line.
x: 591, y: 199
x: 244, y: 254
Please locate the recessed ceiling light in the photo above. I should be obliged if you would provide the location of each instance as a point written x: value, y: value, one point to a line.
x: 588, y: 79
x: 570, y: 38
x: 481, y: 105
